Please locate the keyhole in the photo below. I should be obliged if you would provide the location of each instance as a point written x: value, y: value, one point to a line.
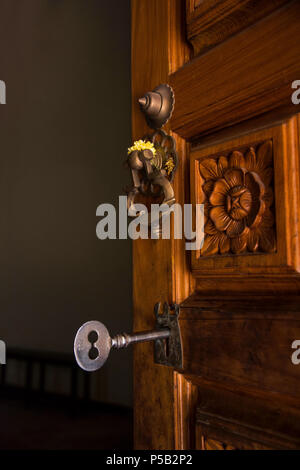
x: 93, y: 352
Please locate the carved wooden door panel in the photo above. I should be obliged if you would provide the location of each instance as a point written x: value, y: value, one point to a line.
x: 231, y: 65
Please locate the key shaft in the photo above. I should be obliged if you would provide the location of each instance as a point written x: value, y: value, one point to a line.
x: 123, y: 340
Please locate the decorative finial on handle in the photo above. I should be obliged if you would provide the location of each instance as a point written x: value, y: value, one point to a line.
x: 142, y: 101
x: 158, y: 105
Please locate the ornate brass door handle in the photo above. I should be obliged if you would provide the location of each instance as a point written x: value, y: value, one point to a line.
x: 153, y: 163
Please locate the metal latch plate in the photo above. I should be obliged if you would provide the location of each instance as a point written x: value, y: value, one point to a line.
x: 168, y: 352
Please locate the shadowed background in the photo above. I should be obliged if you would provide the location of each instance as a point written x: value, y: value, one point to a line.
x: 63, y: 138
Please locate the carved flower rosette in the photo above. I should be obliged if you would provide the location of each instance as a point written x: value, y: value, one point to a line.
x: 237, y: 197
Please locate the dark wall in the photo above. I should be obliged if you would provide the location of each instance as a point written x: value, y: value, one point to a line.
x: 63, y: 138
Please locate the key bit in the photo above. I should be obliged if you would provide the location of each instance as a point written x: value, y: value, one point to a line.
x: 93, y: 343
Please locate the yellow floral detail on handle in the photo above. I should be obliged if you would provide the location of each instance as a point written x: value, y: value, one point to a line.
x: 142, y: 145
x: 169, y: 165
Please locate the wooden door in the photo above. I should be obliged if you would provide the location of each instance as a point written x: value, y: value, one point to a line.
x: 231, y: 65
